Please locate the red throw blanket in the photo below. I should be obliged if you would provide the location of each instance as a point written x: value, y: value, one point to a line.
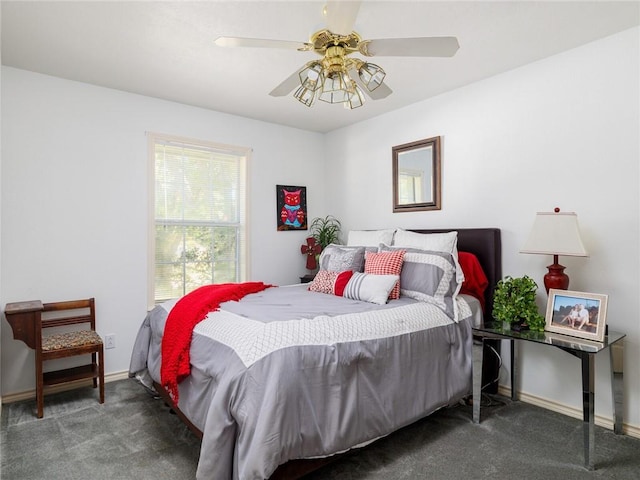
x: 183, y: 317
x: 475, y: 280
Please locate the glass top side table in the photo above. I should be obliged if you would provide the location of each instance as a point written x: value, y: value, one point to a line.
x: 585, y: 350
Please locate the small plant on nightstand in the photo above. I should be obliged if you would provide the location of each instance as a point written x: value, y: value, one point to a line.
x: 325, y: 230
x: 514, y: 303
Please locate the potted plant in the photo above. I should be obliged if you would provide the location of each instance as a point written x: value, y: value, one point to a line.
x: 514, y: 304
x: 325, y: 230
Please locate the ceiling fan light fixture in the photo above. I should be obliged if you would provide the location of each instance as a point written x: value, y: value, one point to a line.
x: 372, y: 75
x: 336, y: 87
x: 356, y: 98
x: 305, y: 96
x: 311, y: 76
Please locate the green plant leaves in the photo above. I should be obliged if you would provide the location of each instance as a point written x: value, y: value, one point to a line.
x: 515, y: 299
x: 325, y: 230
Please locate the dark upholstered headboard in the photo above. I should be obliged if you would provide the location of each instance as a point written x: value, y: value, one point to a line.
x: 484, y: 243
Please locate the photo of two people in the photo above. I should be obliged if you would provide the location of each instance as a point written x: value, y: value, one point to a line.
x: 576, y: 313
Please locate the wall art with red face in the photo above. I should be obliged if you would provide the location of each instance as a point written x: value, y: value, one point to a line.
x: 291, y: 207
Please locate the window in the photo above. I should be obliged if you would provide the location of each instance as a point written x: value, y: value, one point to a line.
x: 198, y: 215
x: 411, y: 186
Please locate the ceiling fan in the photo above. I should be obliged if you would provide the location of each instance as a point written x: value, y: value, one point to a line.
x: 339, y: 77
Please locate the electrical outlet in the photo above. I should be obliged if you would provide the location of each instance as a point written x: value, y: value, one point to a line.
x: 110, y: 341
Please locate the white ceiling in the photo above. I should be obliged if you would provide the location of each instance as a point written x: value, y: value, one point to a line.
x: 165, y: 49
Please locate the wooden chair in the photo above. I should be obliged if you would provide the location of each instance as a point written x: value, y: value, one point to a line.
x: 69, y: 344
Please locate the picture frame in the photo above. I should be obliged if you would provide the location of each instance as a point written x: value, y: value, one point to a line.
x: 578, y: 314
x: 291, y: 207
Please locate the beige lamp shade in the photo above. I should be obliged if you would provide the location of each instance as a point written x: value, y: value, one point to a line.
x: 555, y: 233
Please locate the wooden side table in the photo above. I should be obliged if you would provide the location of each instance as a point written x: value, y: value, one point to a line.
x: 307, y: 278
x: 22, y: 318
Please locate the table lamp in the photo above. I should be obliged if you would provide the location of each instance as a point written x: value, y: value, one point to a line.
x: 555, y: 233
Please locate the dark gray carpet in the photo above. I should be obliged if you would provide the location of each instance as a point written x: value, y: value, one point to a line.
x: 132, y: 436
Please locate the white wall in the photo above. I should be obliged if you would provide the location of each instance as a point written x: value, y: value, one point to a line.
x: 563, y: 132
x: 74, y: 200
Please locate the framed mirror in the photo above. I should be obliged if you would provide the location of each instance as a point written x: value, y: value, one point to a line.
x: 416, y: 176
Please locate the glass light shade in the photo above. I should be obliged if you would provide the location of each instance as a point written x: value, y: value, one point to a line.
x: 555, y: 233
x: 371, y: 75
x: 311, y: 76
x: 356, y: 99
x: 335, y: 88
x: 305, y: 95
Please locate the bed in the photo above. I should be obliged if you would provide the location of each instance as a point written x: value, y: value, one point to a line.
x: 274, y: 398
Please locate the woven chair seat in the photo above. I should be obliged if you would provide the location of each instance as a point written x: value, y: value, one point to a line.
x: 80, y: 338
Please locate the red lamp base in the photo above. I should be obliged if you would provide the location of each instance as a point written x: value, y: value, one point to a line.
x: 556, y: 278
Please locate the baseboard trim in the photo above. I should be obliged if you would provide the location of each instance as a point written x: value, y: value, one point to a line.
x: 606, y: 422
x: 62, y: 387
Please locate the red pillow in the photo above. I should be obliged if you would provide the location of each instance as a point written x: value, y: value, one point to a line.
x: 475, y: 280
x: 341, y: 282
x: 332, y: 283
x: 385, y: 263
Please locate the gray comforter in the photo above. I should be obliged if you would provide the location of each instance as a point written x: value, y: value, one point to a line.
x: 286, y: 374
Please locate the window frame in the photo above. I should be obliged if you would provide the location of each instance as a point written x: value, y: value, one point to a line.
x: 244, y: 154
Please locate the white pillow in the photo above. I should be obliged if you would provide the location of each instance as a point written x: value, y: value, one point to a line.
x: 369, y: 287
x: 435, y: 242
x: 370, y: 238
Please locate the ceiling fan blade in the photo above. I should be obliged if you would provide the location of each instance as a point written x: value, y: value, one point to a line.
x: 341, y: 15
x: 383, y: 91
x: 260, y: 43
x: 410, y: 47
x: 287, y: 86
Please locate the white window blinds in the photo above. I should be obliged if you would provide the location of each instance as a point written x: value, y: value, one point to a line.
x: 199, y: 215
